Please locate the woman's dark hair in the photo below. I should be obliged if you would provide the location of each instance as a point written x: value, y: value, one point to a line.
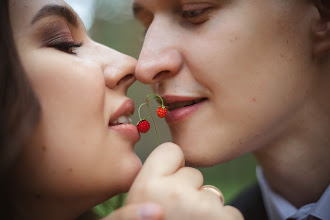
x: 19, y: 107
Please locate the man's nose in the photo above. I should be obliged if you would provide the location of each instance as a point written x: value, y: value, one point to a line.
x: 160, y: 58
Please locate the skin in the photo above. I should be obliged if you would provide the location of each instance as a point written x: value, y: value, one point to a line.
x: 177, y: 188
x: 74, y: 160
x: 263, y: 67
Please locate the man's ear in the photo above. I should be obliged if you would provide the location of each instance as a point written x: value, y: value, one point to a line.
x: 322, y: 28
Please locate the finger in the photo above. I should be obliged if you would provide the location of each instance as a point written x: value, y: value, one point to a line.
x: 164, y: 160
x: 211, y: 197
x: 145, y: 211
x: 188, y: 176
x: 233, y: 213
x: 215, y: 191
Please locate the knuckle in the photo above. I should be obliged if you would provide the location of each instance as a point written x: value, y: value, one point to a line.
x: 148, y: 191
x: 139, y: 192
x: 203, y: 211
x: 191, y: 173
x: 197, y: 174
x: 176, y: 195
x: 170, y: 148
x: 233, y: 212
x: 169, y: 152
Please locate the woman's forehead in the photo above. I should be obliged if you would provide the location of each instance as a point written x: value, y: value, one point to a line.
x: 22, y: 12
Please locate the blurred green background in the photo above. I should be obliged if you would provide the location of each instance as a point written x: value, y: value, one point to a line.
x: 111, y: 22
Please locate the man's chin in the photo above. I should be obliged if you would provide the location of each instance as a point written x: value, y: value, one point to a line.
x: 196, y: 155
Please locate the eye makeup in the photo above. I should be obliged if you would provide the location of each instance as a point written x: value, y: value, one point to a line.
x: 57, y: 34
x: 53, y: 32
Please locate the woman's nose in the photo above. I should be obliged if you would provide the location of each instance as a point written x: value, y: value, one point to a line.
x: 159, y: 58
x: 118, y: 69
x: 121, y: 74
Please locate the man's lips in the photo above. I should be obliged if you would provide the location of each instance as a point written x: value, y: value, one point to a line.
x: 181, y: 107
x: 177, y: 105
x: 176, y: 102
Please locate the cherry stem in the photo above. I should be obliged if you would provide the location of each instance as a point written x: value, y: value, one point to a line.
x: 140, y: 110
x: 152, y: 118
x: 160, y: 98
x: 153, y: 121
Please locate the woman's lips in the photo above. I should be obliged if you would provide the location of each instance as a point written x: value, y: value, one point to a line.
x: 127, y: 108
x: 128, y: 130
x: 179, y: 114
x: 121, y: 122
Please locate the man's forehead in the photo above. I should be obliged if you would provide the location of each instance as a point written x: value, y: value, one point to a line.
x: 164, y: 3
x: 140, y: 6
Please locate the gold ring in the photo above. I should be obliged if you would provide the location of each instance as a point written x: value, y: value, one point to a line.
x: 214, y: 190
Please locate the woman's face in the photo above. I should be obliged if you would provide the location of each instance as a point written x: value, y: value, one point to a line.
x: 84, y: 142
x: 234, y: 73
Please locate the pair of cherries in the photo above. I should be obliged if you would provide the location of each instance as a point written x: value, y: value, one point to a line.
x: 144, y: 126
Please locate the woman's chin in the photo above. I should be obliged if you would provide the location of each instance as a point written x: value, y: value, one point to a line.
x: 129, y: 172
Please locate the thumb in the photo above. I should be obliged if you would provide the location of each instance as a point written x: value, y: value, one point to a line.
x: 142, y: 211
x: 165, y: 160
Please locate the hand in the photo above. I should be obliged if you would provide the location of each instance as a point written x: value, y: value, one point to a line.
x: 138, y: 211
x: 163, y: 179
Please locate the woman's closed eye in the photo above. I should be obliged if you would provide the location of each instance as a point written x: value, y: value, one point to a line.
x: 58, y: 35
x: 66, y: 46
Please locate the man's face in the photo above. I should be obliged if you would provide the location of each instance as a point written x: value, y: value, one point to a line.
x: 234, y: 73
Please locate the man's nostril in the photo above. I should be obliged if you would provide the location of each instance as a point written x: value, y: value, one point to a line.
x: 161, y: 74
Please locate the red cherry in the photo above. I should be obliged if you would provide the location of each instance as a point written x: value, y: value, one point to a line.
x: 143, y: 126
x: 161, y: 112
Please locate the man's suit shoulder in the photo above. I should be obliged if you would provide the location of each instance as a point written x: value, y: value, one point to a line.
x: 251, y: 204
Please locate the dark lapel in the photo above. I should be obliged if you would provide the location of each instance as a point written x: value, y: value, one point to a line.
x: 251, y: 204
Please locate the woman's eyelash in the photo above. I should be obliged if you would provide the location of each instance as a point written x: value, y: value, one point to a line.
x: 67, y: 47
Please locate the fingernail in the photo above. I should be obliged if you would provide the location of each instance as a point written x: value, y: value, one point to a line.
x: 148, y: 211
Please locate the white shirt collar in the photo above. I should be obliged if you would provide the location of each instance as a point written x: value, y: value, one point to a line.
x: 280, y: 209
x: 276, y: 206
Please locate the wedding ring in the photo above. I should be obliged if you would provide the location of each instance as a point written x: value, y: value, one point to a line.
x: 214, y: 190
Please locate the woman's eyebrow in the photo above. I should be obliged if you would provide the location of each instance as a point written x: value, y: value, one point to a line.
x: 58, y: 10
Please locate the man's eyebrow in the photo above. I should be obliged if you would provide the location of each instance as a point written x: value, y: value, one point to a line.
x: 58, y: 10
